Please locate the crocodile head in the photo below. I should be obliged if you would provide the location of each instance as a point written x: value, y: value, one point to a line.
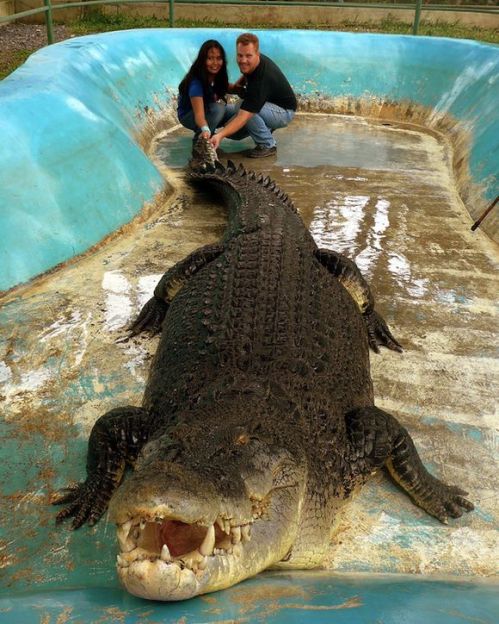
x: 204, y: 157
x: 210, y: 503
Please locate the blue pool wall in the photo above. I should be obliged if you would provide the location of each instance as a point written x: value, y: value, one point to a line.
x: 72, y: 170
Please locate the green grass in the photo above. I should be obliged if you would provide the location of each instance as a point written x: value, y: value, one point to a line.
x: 13, y: 61
x: 98, y: 22
x: 390, y: 25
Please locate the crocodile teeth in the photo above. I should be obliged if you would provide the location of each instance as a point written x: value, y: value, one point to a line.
x: 191, y: 560
x: 208, y: 544
x: 235, y: 534
x: 165, y: 554
x: 246, y: 532
x: 203, y: 563
x: 223, y: 524
x: 126, y: 543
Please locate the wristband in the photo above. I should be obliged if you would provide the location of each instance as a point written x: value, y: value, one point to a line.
x: 205, y: 129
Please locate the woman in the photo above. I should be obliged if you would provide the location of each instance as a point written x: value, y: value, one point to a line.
x: 201, y: 102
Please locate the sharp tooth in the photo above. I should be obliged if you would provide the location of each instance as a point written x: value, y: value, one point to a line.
x: 165, y: 554
x: 126, y: 544
x: 246, y: 532
x: 208, y: 544
x: 203, y: 563
x: 220, y: 523
x: 235, y: 534
x: 191, y: 559
x: 227, y: 527
x: 142, y: 525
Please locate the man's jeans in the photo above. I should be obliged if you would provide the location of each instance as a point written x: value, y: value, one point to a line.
x: 216, y: 115
x: 262, y: 124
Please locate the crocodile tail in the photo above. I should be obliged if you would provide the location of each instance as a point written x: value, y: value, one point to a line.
x: 232, y: 175
x: 264, y: 180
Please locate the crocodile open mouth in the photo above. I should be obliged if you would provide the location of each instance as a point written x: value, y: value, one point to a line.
x: 175, y: 542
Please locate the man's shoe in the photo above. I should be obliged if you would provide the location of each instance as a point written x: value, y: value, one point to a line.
x: 260, y: 151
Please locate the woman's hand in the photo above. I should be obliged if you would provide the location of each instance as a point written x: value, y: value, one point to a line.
x: 205, y: 131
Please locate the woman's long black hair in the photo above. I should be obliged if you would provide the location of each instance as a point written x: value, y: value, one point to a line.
x: 198, y: 70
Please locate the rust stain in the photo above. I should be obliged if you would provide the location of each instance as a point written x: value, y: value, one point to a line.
x: 65, y: 616
x: 6, y: 557
x: 465, y: 617
x: 112, y: 612
x: 271, y: 608
x: 264, y: 593
x: 52, y: 426
x: 209, y: 599
x: 351, y: 603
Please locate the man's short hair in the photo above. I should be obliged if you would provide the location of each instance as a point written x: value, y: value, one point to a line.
x: 247, y: 38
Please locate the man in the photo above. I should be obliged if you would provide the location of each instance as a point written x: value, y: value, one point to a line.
x: 268, y: 101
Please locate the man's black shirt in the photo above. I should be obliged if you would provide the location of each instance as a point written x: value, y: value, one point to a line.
x: 267, y: 83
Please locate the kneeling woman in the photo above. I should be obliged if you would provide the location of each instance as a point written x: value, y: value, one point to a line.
x: 201, y: 103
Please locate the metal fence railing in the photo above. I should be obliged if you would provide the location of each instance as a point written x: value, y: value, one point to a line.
x: 416, y: 6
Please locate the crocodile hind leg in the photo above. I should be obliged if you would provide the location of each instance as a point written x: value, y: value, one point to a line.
x: 154, y: 311
x: 349, y: 276
x: 378, y: 439
x: 115, y: 440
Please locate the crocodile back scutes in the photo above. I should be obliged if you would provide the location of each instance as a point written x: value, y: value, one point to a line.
x: 253, y: 199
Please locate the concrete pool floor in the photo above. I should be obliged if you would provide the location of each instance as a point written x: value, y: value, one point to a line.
x: 381, y: 194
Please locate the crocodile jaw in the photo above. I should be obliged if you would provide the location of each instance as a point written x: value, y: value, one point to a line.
x: 225, y: 554
x: 204, y: 157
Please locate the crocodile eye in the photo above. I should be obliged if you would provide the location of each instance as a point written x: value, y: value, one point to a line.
x: 242, y: 439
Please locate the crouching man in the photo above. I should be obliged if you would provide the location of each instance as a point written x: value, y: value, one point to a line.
x: 268, y: 101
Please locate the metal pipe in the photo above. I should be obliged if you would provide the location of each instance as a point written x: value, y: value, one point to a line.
x: 417, y: 17
x: 484, y: 214
x: 48, y: 21
x: 171, y: 16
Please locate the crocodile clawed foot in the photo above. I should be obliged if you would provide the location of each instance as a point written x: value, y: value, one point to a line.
x: 85, y: 506
x: 150, y: 318
x: 378, y: 333
x: 444, y: 501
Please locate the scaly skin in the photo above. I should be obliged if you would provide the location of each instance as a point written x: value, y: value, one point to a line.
x: 258, y: 418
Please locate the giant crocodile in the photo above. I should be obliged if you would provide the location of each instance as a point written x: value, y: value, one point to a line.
x: 258, y: 419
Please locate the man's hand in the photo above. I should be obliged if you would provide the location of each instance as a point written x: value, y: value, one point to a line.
x: 216, y: 140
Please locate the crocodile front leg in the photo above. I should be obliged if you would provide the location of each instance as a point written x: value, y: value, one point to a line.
x: 349, y: 276
x: 378, y: 439
x: 154, y: 311
x: 115, y: 441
